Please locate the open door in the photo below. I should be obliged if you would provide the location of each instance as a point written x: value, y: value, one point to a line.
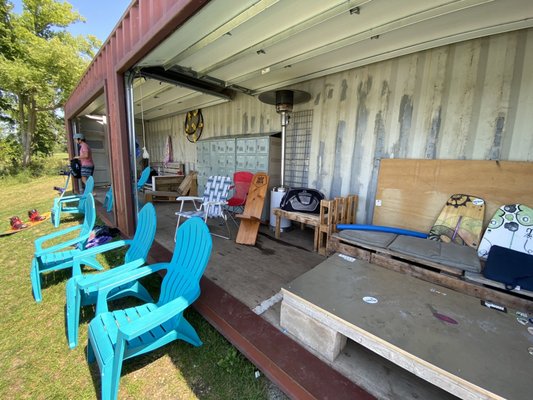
x: 94, y: 128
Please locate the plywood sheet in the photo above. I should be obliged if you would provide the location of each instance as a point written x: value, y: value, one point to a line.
x: 444, y: 337
x: 411, y: 193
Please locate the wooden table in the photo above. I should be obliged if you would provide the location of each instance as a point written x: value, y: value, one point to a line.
x: 303, y: 218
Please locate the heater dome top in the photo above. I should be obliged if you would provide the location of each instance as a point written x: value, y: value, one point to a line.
x: 285, y: 97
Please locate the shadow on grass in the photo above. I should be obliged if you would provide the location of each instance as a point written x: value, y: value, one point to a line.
x: 215, y: 370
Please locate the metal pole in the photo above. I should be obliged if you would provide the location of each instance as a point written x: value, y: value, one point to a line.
x: 284, y: 122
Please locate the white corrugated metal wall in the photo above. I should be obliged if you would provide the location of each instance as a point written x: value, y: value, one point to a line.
x: 471, y: 100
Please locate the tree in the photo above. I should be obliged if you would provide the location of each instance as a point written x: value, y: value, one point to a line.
x: 40, y: 64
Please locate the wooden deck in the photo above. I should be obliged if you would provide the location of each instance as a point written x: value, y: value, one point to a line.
x: 241, y: 298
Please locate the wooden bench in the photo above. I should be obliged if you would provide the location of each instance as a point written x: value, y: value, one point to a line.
x: 340, y: 210
x: 411, y: 193
x: 251, y: 216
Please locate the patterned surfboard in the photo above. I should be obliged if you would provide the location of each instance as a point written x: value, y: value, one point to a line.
x: 460, y: 221
x: 510, y: 227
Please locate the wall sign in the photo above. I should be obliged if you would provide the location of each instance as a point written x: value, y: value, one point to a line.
x: 194, y: 125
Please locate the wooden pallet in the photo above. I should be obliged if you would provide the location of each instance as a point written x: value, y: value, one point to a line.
x: 188, y: 186
x: 430, y: 272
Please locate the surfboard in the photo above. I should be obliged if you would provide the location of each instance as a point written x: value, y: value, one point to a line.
x: 511, y: 226
x: 460, y: 221
x: 28, y: 224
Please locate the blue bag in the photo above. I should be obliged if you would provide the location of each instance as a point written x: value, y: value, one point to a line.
x: 510, y: 267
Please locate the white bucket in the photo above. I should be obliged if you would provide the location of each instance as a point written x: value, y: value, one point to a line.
x: 275, y: 199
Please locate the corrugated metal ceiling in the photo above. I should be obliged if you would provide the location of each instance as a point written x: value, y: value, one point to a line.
x: 259, y: 45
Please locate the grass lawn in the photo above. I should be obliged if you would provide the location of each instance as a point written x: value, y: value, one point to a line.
x: 35, y: 358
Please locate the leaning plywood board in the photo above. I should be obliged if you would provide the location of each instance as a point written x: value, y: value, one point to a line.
x: 411, y: 193
x: 442, y: 336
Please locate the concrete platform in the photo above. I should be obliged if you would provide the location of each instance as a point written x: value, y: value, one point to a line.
x: 446, y: 338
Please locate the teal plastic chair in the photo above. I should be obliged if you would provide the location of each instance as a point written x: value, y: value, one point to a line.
x: 80, y: 287
x: 73, y: 204
x: 119, y: 335
x: 108, y: 200
x: 61, y: 255
x: 145, y: 175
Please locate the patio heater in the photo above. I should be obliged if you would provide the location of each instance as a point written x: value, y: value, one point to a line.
x: 283, y: 100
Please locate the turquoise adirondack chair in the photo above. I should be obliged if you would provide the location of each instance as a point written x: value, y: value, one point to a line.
x: 108, y: 200
x: 123, y: 334
x: 60, y: 256
x: 210, y: 205
x: 80, y: 287
x: 73, y: 204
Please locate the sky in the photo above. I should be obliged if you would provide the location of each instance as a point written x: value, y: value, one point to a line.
x: 101, y: 16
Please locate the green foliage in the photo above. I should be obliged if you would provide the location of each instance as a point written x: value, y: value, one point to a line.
x: 231, y: 360
x: 41, y: 165
x: 49, y: 133
x: 10, y: 151
x: 40, y: 64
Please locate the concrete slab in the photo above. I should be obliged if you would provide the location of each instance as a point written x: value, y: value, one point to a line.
x: 444, y: 337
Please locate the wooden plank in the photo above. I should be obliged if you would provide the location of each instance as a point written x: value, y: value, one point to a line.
x: 251, y: 217
x: 166, y: 183
x: 341, y: 210
x: 412, y: 192
x: 172, y: 168
x: 152, y: 196
x: 308, y: 219
x: 401, y: 258
x: 421, y: 271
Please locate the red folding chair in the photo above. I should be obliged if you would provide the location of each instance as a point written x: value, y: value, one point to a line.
x: 240, y: 187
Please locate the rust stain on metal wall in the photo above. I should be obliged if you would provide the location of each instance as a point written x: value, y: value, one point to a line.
x: 361, y: 123
x: 320, y: 166
x: 244, y: 123
x: 404, y: 118
x: 261, y: 123
x: 344, y: 89
x: 495, y: 151
x: 433, y: 136
x: 317, y: 99
x: 380, y: 134
x: 336, y: 182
